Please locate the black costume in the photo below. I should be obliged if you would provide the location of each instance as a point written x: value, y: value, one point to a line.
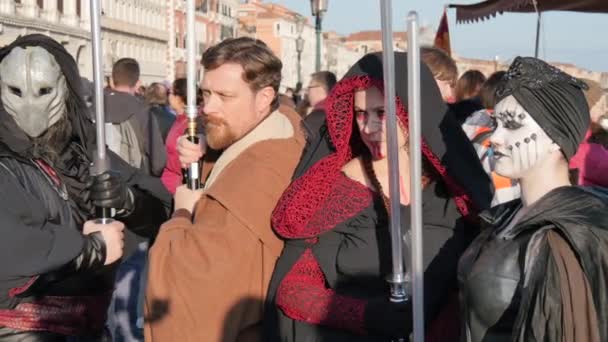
x: 329, y: 282
x: 52, y: 280
x: 515, y: 279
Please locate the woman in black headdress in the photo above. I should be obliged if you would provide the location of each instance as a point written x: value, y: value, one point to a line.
x: 329, y: 283
x: 538, y: 271
x: 57, y: 265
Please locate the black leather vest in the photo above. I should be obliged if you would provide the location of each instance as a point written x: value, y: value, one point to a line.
x: 489, y: 275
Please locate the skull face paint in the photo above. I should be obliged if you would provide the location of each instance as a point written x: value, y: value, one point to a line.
x: 518, y: 143
x: 371, y: 121
x: 33, y: 89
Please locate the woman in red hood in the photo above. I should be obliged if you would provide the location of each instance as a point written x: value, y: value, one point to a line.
x: 172, y: 175
x: 329, y: 283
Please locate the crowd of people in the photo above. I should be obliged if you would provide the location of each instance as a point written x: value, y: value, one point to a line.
x: 287, y: 238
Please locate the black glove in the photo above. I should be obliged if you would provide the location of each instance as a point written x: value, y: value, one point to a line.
x: 385, y: 318
x: 109, y: 190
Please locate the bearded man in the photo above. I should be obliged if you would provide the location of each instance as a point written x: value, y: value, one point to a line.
x: 56, y: 264
x: 212, y: 262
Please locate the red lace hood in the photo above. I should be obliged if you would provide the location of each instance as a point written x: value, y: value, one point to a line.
x: 319, y: 200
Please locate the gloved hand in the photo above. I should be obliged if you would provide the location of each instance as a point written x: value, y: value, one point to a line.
x: 109, y: 190
x: 392, y: 320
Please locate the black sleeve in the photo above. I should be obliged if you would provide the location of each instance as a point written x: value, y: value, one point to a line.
x: 446, y: 235
x: 156, y: 148
x: 152, y: 201
x: 30, y: 244
x: 318, y: 142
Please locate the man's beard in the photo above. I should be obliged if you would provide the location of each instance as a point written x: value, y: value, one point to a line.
x: 51, y: 143
x: 218, y: 133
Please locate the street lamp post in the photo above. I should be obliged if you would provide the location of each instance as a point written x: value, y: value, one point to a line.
x: 300, y: 20
x: 318, y: 7
x: 299, y: 48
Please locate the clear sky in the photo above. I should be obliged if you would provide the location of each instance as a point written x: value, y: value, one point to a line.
x: 578, y: 38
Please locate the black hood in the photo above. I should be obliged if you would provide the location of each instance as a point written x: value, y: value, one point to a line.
x: 440, y: 130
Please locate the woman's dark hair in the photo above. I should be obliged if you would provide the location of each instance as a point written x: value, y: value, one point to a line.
x: 180, y: 89
x: 487, y: 94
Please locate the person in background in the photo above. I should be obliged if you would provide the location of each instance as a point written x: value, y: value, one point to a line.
x: 297, y: 93
x: 320, y: 85
x: 469, y: 85
x: 172, y: 175
x: 132, y: 135
x: 157, y: 98
x: 479, y: 127
x: 289, y: 92
x: 444, y: 70
x: 590, y: 164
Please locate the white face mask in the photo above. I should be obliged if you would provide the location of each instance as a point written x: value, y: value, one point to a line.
x: 33, y: 89
x: 519, y: 143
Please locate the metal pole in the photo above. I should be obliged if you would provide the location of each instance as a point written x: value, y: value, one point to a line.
x: 413, y: 86
x: 299, y: 67
x: 193, y: 177
x: 538, y: 21
x: 397, y: 278
x: 100, y: 163
x: 318, y: 20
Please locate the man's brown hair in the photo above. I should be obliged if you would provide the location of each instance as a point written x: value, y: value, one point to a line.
x: 156, y: 93
x: 442, y: 66
x: 125, y: 72
x: 261, y: 67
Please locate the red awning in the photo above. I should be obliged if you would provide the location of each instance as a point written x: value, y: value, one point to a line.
x: 486, y: 9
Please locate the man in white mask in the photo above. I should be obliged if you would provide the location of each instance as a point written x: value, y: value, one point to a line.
x: 56, y: 270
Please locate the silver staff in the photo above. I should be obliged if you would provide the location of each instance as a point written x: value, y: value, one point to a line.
x: 413, y: 104
x: 193, y: 177
x: 397, y: 279
x: 100, y: 163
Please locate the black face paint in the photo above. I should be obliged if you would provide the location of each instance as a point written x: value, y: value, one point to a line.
x: 510, y: 119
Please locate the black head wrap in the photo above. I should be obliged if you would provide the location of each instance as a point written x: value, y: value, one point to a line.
x: 553, y: 98
x: 82, y: 128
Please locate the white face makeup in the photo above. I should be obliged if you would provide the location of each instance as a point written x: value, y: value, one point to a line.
x: 519, y: 143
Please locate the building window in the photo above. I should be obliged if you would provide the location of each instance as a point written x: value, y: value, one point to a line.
x: 278, y: 28
x: 40, y: 3
x: 226, y: 32
x: 60, y: 6
x: 204, y: 6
